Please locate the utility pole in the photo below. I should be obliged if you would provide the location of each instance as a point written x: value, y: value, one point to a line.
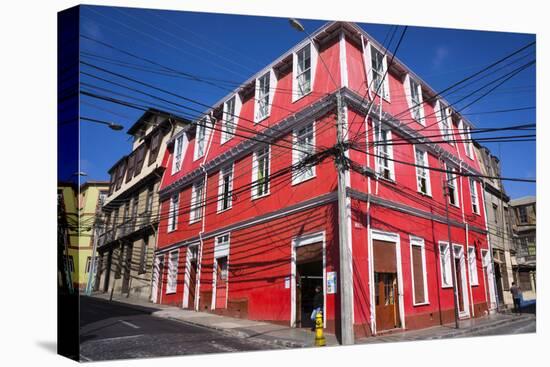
x: 346, y: 298
x: 451, y: 249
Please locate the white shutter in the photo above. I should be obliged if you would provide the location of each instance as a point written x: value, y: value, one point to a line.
x: 386, y: 78
x: 368, y: 66
x: 314, y: 57
x: 408, y: 93
x: 272, y: 86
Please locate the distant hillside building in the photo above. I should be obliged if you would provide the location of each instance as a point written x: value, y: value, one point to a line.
x: 525, y: 236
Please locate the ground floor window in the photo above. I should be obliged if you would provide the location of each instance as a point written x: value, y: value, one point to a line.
x: 445, y: 265
x: 172, y: 272
x: 418, y: 270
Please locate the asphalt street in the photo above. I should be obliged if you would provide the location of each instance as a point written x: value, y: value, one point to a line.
x: 111, y: 330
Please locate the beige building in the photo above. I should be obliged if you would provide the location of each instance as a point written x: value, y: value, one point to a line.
x: 128, y: 236
x: 525, y: 235
x: 499, y: 225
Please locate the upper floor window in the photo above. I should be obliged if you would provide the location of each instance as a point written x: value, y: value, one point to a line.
x: 120, y: 174
x: 149, y: 200
x: 225, y: 188
x: 422, y: 171
x: 155, y: 147
x: 384, y: 153
x: 201, y: 137
x: 197, y: 206
x: 263, y: 97
x: 466, y: 136
x: 173, y: 213
x: 303, y: 68
x: 473, y: 195
x: 131, y: 165
x: 230, y: 116
x: 377, y: 71
x: 102, y: 198
x: 522, y: 211
x: 140, y: 157
x: 260, y: 172
x: 452, y: 190
x: 179, y: 148
x: 444, y: 119
x: 303, y: 146
x: 413, y: 92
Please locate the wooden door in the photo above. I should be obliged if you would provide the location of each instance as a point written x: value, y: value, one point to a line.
x: 459, y: 285
x: 221, y: 282
x: 386, y: 301
x: 192, y: 284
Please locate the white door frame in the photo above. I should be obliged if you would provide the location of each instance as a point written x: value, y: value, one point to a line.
x: 488, y: 280
x: 304, y: 240
x: 465, y: 297
x: 379, y: 235
x: 156, y: 276
x: 187, y: 273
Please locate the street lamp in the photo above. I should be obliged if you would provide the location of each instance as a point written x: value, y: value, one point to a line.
x: 296, y: 25
x: 111, y: 125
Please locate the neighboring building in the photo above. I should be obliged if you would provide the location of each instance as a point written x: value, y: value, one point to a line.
x: 249, y: 211
x: 92, y: 195
x: 67, y: 235
x: 525, y: 235
x: 128, y: 236
x: 499, y: 224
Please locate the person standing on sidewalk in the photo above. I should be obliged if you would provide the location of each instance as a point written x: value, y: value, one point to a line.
x: 317, y: 305
x: 516, y: 295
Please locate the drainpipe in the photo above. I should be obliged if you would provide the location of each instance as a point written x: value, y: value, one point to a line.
x: 203, y: 219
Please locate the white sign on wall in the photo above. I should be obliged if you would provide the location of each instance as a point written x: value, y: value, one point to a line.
x: 331, y: 282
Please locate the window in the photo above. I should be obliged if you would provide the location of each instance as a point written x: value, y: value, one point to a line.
x: 155, y: 148
x: 196, y: 202
x: 418, y: 271
x: 140, y: 157
x: 172, y: 272
x: 263, y: 96
x: 384, y: 153
x: 260, y: 172
x: 149, y: 200
x: 131, y: 165
x: 303, y: 146
x: 377, y: 71
x: 444, y: 119
x: 452, y: 190
x: 413, y: 92
x: 68, y: 263
x: 422, y: 172
x: 229, y: 121
x: 225, y: 188
x: 303, y: 71
x: 531, y: 246
x: 473, y: 195
x: 120, y: 174
x: 178, y: 152
x: 201, y: 137
x: 143, y: 257
x: 522, y: 211
x: 222, y: 268
x: 465, y: 130
x: 222, y: 246
x: 472, y: 267
x: 88, y: 264
x: 445, y: 264
x: 102, y: 198
x: 173, y: 213
x: 135, y: 204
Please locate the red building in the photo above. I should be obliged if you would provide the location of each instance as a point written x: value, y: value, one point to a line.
x: 248, y: 229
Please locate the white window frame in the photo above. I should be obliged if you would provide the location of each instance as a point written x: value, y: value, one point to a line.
x: 378, y: 152
x: 425, y: 163
x: 202, y: 124
x: 454, y: 185
x: 417, y: 241
x: 260, y: 95
x: 299, y: 176
x: 255, y: 172
x: 447, y: 269
x: 172, y: 276
x: 370, y: 72
x: 230, y: 120
x: 225, y: 171
x: 409, y: 87
x: 445, y: 122
x: 465, y: 132
x: 472, y: 266
x: 179, y: 144
x: 313, y: 55
x: 474, y: 197
x: 173, y: 212
x: 196, y: 209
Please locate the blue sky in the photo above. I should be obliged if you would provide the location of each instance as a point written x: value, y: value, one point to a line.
x: 231, y: 48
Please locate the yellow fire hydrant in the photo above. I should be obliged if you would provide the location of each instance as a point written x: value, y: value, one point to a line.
x: 320, y: 340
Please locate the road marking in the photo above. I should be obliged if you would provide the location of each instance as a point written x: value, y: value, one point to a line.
x: 223, y: 348
x: 129, y: 324
x: 82, y: 356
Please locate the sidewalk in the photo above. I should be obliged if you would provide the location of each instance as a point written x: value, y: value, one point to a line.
x: 298, y: 338
x: 257, y: 330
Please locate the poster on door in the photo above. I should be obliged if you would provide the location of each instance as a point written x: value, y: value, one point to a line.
x: 331, y: 282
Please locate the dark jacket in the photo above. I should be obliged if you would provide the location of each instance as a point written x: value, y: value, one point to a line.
x: 318, y: 300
